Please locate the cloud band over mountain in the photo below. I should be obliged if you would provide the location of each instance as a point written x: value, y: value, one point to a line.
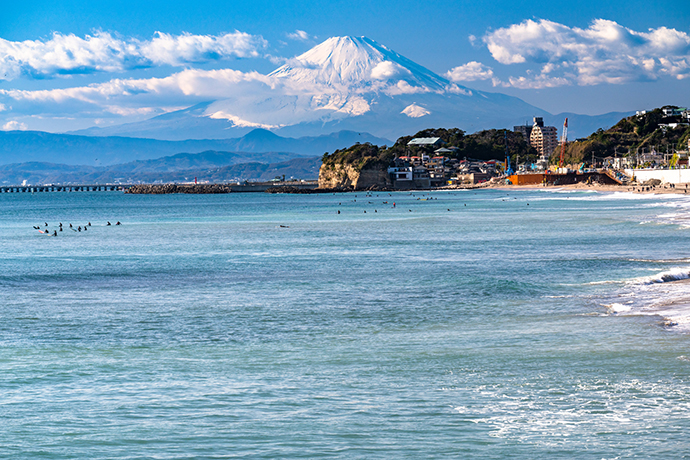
x: 103, y: 52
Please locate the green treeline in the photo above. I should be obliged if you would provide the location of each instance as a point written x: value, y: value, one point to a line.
x: 482, y: 145
x: 638, y: 132
x: 642, y: 133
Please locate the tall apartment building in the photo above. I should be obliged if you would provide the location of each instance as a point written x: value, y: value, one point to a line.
x: 543, y: 138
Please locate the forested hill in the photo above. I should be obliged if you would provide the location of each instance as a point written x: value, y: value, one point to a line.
x: 482, y: 145
x: 644, y: 132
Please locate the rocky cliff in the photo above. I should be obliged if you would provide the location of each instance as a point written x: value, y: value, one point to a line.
x: 347, y: 176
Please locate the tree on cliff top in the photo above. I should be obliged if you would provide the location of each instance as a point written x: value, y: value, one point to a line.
x: 358, y: 156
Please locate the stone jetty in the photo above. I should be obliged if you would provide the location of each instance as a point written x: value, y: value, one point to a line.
x: 163, y: 189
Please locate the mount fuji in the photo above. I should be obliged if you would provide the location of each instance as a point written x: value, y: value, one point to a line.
x: 348, y: 83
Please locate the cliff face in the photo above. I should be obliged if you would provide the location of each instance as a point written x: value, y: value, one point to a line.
x: 346, y: 176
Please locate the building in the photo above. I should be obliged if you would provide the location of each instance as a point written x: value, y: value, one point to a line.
x: 673, y: 111
x: 525, y: 130
x: 426, y: 141
x: 543, y: 138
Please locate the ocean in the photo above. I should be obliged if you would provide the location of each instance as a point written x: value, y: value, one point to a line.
x: 494, y: 324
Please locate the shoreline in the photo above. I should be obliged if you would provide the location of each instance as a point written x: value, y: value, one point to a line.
x: 662, y: 189
x: 682, y: 189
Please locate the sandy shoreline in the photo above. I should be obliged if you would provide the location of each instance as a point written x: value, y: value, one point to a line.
x: 680, y: 189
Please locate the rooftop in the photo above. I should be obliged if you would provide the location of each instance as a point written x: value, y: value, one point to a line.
x: 426, y: 141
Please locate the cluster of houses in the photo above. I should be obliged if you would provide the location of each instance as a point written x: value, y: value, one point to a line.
x: 425, y: 170
x: 650, y: 157
x: 675, y: 117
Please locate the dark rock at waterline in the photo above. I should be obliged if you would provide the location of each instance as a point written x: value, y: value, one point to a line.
x: 304, y: 191
x: 163, y: 189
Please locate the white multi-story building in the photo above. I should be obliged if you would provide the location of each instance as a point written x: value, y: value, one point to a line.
x: 543, y: 138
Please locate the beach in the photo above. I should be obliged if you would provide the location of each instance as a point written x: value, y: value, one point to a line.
x: 680, y: 189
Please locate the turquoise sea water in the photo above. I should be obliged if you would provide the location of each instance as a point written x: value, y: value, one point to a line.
x: 488, y: 324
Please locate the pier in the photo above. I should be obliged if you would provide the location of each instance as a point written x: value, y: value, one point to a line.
x: 160, y: 188
x: 63, y: 188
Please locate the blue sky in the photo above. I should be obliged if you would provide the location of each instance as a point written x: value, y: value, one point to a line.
x: 584, y: 57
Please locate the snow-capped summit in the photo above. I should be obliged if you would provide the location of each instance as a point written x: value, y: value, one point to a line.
x: 359, y: 64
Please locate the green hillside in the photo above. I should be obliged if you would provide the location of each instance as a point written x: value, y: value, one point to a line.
x: 635, y: 133
x: 482, y: 145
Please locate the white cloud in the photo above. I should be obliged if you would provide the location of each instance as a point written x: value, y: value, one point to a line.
x: 386, y: 70
x: 102, y: 52
x: 239, y: 122
x: 471, y: 71
x: 540, y: 81
x: 299, y: 35
x: 415, y: 111
x: 14, y: 126
x: 190, y: 82
x: 606, y: 52
x: 403, y: 87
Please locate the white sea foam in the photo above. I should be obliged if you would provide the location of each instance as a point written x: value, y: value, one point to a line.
x: 675, y: 274
x: 660, y: 294
x: 617, y: 308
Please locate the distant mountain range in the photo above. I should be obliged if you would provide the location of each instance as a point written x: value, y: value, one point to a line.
x: 352, y: 88
x: 209, y: 166
x: 353, y: 84
x: 258, y: 145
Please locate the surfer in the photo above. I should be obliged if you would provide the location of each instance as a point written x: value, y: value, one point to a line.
x: 54, y: 232
x: 108, y: 224
x: 118, y: 223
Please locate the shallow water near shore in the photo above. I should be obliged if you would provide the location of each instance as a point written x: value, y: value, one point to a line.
x: 487, y: 324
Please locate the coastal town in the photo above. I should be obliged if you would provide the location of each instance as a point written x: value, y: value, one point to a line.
x: 431, y: 163
x: 647, y: 149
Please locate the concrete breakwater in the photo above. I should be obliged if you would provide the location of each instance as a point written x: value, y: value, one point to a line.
x: 162, y: 189
x: 159, y: 189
